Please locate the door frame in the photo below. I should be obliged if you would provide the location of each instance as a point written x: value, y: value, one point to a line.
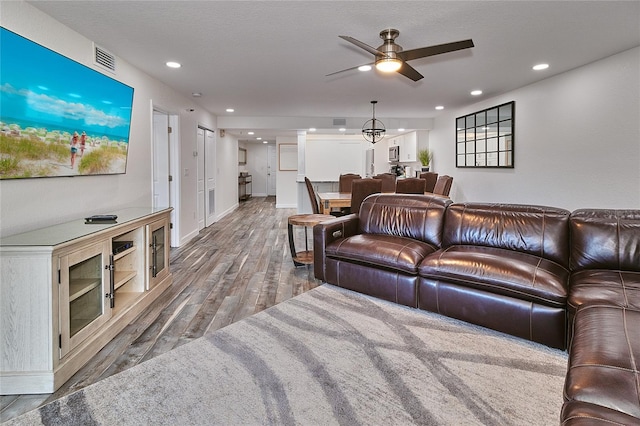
x: 174, y: 163
x: 272, y: 167
x: 210, y: 176
x: 208, y: 162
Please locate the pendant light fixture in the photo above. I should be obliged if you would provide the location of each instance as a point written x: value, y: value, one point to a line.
x: 373, y: 130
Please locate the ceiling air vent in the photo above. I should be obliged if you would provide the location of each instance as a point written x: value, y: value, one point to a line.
x: 104, y: 58
x: 339, y: 121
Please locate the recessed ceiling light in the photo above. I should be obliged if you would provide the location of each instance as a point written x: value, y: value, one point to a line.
x: 342, y: 129
x: 196, y: 94
x: 476, y: 92
x: 364, y: 68
x: 401, y: 129
x: 439, y: 107
x: 540, y: 67
x: 312, y: 129
x: 172, y: 64
x: 250, y: 133
x: 230, y: 109
x: 265, y: 141
x: 259, y: 138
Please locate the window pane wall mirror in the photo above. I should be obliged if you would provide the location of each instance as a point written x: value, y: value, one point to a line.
x: 242, y: 156
x: 486, y: 138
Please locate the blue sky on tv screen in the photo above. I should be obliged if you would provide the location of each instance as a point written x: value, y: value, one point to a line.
x: 41, y: 88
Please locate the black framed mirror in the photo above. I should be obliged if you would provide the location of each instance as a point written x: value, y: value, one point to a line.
x: 485, y: 138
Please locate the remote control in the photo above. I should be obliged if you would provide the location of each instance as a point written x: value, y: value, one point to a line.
x: 101, y: 218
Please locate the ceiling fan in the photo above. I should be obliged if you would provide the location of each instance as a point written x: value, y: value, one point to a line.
x: 390, y: 57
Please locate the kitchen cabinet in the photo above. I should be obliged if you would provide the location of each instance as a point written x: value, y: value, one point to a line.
x: 396, y: 140
x: 408, y: 144
x: 409, y: 147
x: 68, y: 289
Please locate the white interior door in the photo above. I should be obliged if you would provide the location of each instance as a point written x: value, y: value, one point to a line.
x: 210, y: 171
x: 160, y: 160
x: 200, y: 141
x: 271, y: 170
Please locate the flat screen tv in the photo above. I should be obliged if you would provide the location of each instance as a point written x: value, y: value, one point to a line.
x: 57, y: 116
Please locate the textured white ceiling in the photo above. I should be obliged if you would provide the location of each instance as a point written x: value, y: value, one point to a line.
x: 270, y: 58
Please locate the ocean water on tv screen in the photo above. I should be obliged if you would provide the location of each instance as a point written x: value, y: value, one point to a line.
x: 26, y: 128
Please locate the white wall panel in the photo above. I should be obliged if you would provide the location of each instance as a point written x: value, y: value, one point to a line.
x: 577, y: 141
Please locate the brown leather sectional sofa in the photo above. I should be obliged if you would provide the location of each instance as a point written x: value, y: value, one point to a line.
x: 540, y: 273
x: 603, y: 380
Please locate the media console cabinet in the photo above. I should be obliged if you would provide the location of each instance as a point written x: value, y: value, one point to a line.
x: 68, y: 289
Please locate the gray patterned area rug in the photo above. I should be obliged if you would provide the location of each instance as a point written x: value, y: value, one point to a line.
x: 330, y: 356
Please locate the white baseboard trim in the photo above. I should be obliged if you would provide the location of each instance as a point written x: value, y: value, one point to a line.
x: 286, y: 206
x: 12, y: 383
x: 194, y: 233
x: 190, y: 236
x: 228, y: 211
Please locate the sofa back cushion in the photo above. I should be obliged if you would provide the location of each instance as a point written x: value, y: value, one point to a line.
x: 420, y: 217
x: 537, y: 230
x: 605, y: 239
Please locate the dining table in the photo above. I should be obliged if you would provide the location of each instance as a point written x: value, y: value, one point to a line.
x: 340, y: 200
x: 331, y: 200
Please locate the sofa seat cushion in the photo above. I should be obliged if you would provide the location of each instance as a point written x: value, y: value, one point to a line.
x: 500, y: 271
x: 386, y: 251
x: 604, y: 358
x: 618, y: 288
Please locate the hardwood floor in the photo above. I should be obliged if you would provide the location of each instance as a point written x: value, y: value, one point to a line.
x: 232, y: 269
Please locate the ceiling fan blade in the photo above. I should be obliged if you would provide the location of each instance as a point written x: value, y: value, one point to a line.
x: 350, y: 69
x: 362, y: 45
x: 410, y: 72
x: 438, y: 49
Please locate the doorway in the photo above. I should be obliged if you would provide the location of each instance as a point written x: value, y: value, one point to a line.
x: 206, y: 186
x: 271, y: 170
x: 164, y: 186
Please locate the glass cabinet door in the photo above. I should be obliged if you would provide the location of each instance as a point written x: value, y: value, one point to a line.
x: 158, y: 240
x: 84, y: 292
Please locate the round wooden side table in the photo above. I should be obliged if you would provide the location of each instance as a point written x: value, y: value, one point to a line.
x: 308, y: 221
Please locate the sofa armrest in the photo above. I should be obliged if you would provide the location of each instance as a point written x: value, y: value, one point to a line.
x: 327, y: 232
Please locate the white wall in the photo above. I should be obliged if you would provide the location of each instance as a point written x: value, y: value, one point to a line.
x: 227, y: 175
x: 329, y: 156
x: 27, y: 204
x: 577, y: 141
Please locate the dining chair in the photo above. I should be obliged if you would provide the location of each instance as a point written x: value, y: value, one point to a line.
x: 443, y: 185
x: 344, y: 183
x: 410, y: 186
x: 315, y: 208
x: 312, y: 196
x: 388, y: 181
x: 431, y: 178
x: 361, y: 189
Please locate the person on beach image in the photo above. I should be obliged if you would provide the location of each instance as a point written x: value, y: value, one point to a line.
x: 75, y: 140
x: 83, y: 143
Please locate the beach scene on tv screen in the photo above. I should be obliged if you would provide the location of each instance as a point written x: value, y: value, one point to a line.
x: 57, y: 116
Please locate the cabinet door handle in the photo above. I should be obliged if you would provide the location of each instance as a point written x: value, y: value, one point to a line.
x: 154, y: 260
x: 112, y: 282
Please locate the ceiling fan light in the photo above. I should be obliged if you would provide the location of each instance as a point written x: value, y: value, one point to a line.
x: 388, y: 64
